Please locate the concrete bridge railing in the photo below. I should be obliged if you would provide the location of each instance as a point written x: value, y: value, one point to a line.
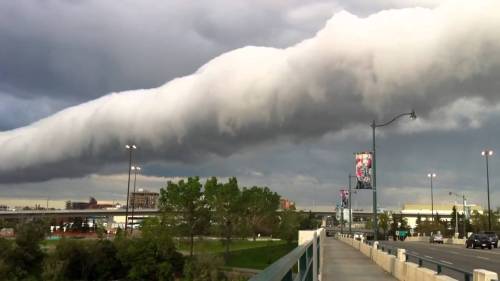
x: 307, y: 257
x: 396, y: 263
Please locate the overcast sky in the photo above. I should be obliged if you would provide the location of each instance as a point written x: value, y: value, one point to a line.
x: 276, y: 93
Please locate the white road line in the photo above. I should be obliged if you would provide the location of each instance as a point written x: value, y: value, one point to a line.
x: 428, y: 257
x: 447, y: 262
x: 484, y: 258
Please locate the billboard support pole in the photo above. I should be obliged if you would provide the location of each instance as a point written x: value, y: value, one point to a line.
x: 350, y: 206
x: 374, y: 183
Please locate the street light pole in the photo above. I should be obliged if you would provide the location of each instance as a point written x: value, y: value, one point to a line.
x: 463, y: 210
x: 374, y: 125
x: 136, y: 169
x: 350, y: 205
x: 487, y: 153
x: 130, y: 148
x: 431, y: 176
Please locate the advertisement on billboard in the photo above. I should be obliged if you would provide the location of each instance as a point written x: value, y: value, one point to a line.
x: 363, y: 162
x: 344, y: 198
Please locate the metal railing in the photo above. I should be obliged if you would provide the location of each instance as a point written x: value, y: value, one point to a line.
x: 285, y: 269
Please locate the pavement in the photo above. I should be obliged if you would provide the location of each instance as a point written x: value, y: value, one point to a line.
x: 456, y: 256
x: 343, y: 262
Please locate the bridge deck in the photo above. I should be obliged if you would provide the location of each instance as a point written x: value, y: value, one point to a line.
x: 342, y: 262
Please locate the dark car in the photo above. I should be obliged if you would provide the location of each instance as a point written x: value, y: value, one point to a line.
x: 478, y: 240
x: 493, y: 238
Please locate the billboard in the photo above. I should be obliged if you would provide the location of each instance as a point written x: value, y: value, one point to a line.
x: 344, y: 198
x: 363, y: 162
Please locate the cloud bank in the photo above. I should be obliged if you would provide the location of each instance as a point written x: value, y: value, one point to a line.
x: 351, y: 71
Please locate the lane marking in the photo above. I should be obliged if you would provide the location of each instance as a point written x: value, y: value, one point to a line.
x: 428, y: 257
x: 484, y: 258
x: 447, y: 262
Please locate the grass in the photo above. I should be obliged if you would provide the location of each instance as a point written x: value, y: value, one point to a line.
x: 260, y: 257
x: 243, y: 253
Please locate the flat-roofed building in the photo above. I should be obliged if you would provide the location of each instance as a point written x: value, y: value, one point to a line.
x: 412, y: 211
x: 144, y: 199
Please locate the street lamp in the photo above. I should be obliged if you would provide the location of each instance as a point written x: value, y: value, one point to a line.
x: 374, y: 125
x: 130, y: 148
x: 487, y: 153
x: 431, y: 176
x: 136, y: 170
x: 350, y: 206
x: 463, y: 209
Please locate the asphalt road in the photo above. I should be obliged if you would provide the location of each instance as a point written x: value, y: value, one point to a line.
x: 456, y: 256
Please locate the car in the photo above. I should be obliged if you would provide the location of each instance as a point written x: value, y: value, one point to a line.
x: 493, y: 238
x: 478, y: 240
x: 358, y: 236
x: 436, y: 238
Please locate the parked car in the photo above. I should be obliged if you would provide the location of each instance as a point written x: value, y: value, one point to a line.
x: 493, y: 238
x: 358, y: 236
x: 478, y: 240
x: 436, y: 238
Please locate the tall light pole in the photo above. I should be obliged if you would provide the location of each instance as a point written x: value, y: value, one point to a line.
x: 350, y: 206
x: 130, y: 148
x: 374, y: 125
x: 487, y: 153
x: 432, y: 176
x: 463, y: 210
x: 136, y: 170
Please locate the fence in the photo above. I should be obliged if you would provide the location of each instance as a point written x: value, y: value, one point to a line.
x: 301, y: 264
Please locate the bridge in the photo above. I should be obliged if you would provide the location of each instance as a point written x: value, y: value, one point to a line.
x: 322, y: 258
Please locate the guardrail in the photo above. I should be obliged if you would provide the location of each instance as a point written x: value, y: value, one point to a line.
x: 298, y: 265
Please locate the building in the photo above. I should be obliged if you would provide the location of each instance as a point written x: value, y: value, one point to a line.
x: 412, y: 211
x: 286, y: 204
x: 144, y: 199
x: 91, y: 204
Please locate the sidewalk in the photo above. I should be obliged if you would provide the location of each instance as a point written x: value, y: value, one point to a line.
x: 342, y: 262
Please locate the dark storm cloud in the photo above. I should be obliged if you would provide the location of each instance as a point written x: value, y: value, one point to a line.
x: 352, y: 70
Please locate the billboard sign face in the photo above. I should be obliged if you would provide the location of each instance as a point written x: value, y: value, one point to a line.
x: 344, y: 198
x: 363, y: 162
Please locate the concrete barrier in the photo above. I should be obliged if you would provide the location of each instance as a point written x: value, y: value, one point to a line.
x: 425, y: 274
x: 484, y: 275
x: 444, y: 278
x: 411, y: 271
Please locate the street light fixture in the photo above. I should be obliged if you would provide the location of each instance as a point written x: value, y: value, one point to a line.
x: 136, y: 170
x: 432, y: 176
x: 374, y: 125
x: 350, y: 206
x: 130, y: 148
x: 487, y: 153
x: 463, y: 209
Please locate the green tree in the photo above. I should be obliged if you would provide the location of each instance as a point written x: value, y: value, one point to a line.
x: 260, y: 206
x: 225, y: 202
x: 384, y: 222
x: 152, y: 256
x: 288, y: 227
x: 186, y: 201
x: 203, y: 268
x: 23, y: 259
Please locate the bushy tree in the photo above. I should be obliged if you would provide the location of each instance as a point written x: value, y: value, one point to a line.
x: 203, y: 268
x: 186, y: 202
x: 226, y: 206
x: 259, y: 209
x: 288, y: 227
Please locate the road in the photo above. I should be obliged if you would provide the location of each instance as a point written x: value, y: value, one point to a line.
x: 452, y: 255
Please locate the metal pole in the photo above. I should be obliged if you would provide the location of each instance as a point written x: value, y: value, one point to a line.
x: 463, y: 201
x: 432, y: 201
x: 456, y: 219
x: 374, y: 183
x: 133, y: 201
x: 128, y: 187
x: 341, y: 219
x: 488, y: 188
x: 350, y: 207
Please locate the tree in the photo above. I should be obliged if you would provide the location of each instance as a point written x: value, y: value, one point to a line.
x: 23, y: 259
x: 225, y: 203
x: 288, y: 227
x: 186, y: 201
x: 260, y: 205
x: 384, y: 222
